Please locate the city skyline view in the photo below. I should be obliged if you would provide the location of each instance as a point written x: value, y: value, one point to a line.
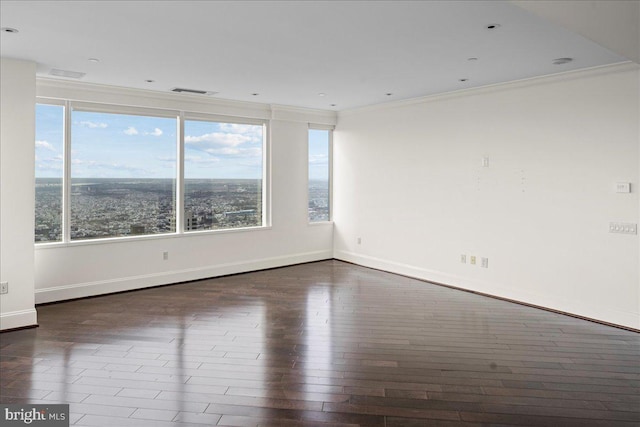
x: 123, y: 172
x: 116, y: 207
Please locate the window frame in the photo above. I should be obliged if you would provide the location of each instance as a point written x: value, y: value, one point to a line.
x: 266, y: 169
x: 180, y: 116
x: 65, y: 151
x: 329, y: 129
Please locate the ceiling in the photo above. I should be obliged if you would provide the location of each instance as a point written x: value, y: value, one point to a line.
x: 332, y: 55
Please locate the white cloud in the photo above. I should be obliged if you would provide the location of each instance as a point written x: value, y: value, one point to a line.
x: 131, y: 131
x: 83, y: 162
x: 93, y: 125
x: 45, y: 145
x: 48, y: 166
x: 225, y: 151
x: 254, y: 131
x: 231, y: 142
x: 318, y: 159
x: 94, y: 164
x: 201, y: 160
x: 156, y: 132
x: 171, y: 159
x: 218, y: 139
x: 235, y: 152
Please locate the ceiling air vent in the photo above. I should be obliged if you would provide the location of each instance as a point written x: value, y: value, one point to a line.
x: 194, y: 91
x: 67, y: 73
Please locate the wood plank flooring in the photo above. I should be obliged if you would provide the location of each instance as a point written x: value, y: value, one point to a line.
x: 320, y: 344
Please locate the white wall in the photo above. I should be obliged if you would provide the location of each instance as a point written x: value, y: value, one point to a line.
x: 17, y: 133
x: 409, y: 182
x: 77, y: 270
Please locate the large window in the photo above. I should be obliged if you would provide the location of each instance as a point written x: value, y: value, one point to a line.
x: 122, y: 171
x: 222, y: 175
x: 319, y: 175
x: 123, y: 175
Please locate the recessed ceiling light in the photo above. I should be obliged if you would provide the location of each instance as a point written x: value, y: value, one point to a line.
x: 462, y: 80
x: 473, y: 58
x: 333, y: 105
x: 322, y: 94
x: 9, y: 30
x: 388, y: 94
x: 93, y: 60
x: 560, y: 61
x: 255, y: 94
x: 150, y: 81
x: 493, y: 26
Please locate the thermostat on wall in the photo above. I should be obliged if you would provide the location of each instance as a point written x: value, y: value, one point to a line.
x: 623, y: 187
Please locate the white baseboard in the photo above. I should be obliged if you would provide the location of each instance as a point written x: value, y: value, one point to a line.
x: 18, y: 319
x: 81, y: 290
x: 599, y: 314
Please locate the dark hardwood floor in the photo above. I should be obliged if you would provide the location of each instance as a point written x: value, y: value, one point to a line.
x: 320, y: 344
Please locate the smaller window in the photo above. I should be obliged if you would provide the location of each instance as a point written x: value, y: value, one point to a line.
x: 319, y: 175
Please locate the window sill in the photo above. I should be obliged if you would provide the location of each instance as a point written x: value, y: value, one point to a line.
x: 132, y: 239
x: 320, y: 223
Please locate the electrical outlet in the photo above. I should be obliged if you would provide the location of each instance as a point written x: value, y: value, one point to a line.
x: 484, y: 262
x: 473, y: 259
x: 165, y: 255
x: 4, y: 287
x: 463, y: 259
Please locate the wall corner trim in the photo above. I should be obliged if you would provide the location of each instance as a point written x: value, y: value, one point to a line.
x: 18, y: 319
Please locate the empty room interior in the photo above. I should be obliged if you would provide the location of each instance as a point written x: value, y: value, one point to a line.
x: 321, y: 213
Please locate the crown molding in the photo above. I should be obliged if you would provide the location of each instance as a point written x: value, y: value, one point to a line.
x: 116, y: 95
x: 515, y: 84
x: 303, y: 115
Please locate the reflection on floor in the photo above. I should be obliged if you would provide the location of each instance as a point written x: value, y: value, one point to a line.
x: 320, y: 344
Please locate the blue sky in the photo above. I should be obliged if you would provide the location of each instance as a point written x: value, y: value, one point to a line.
x: 126, y: 146
x: 319, y: 154
x: 49, y: 142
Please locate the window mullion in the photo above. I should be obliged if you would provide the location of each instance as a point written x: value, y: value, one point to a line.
x: 180, y: 176
x: 330, y: 218
x: 266, y: 176
x: 66, y: 181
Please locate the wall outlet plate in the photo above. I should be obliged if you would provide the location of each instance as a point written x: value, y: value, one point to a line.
x: 623, y: 227
x: 4, y: 288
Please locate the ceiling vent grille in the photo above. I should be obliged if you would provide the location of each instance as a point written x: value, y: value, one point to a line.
x: 193, y: 91
x: 67, y: 73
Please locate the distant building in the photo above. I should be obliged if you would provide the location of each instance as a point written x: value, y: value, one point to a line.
x: 190, y: 223
x: 137, y: 229
x: 243, y: 214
